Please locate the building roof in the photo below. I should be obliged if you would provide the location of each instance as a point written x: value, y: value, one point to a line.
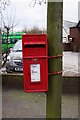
x: 78, y: 25
x: 67, y: 25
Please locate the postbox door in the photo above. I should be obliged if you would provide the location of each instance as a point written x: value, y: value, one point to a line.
x: 36, y: 78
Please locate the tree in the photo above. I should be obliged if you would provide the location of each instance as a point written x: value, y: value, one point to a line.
x: 34, y: 30
x: 34, y: 2
x: 3, y: 5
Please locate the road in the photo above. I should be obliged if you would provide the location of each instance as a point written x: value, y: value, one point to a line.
x: 18, y: 104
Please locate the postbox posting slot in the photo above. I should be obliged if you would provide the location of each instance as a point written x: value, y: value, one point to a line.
x: 34, y: 49
x: 31, y: 44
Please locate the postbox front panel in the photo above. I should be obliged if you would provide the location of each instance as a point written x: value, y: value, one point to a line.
x: 36, y: 78
x: 35, y: 63
x: 34, y: 46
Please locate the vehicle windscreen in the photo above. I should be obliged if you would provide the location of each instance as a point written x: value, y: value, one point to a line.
x: 18, y: 46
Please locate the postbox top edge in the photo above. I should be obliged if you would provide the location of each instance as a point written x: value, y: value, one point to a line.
x: 30, y: 35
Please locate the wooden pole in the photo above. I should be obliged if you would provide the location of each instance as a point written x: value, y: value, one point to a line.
x: 54, y: 32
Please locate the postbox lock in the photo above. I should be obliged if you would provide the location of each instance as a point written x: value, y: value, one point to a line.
x: 35, y: 59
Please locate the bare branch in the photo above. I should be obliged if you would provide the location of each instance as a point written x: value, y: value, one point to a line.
x: 42, y: 1
x: 34, y: 2
x: 3, y: 5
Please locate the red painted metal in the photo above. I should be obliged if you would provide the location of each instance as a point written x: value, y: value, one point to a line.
x: 35, y: 62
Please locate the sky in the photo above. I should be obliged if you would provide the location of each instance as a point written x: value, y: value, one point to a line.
x: 70, y: 10
x: 22, y: 14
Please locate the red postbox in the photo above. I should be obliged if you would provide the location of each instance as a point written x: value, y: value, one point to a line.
x: 35, y: 62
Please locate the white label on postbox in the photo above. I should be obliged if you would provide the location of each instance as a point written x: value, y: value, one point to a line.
x: 35, y: 72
